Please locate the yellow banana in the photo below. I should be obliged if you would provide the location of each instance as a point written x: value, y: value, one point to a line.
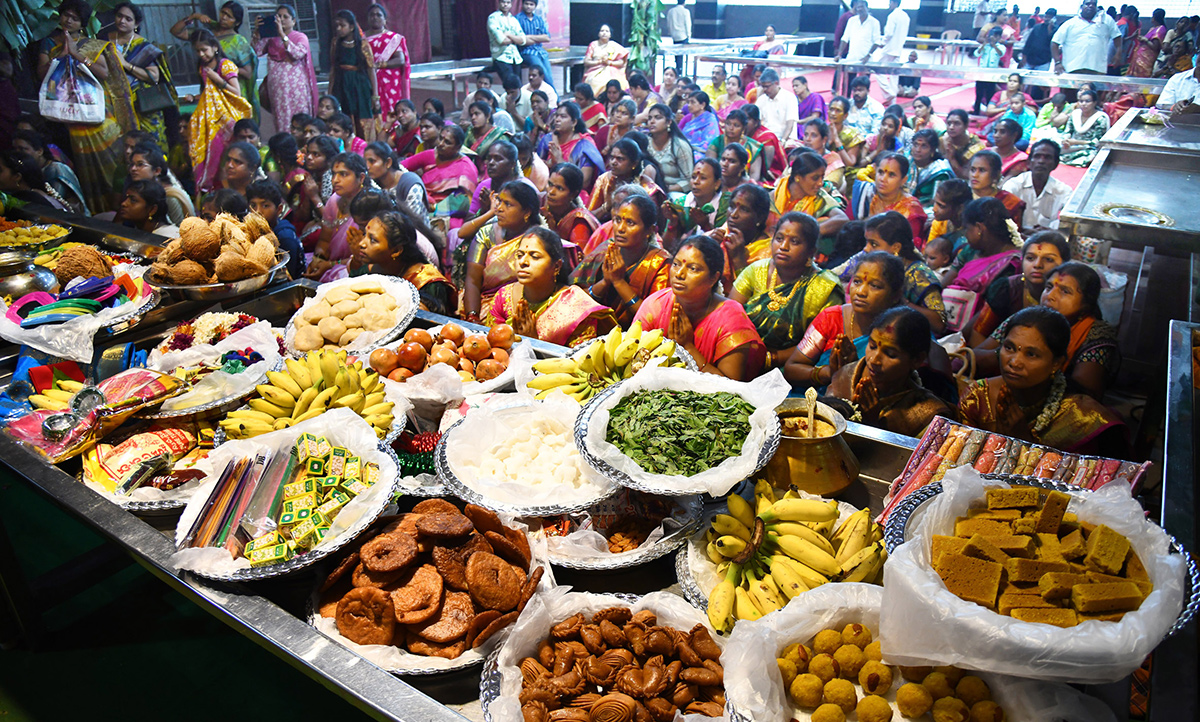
x: 556, y: 366
x: 766, y: 594
x: 299, y: 372
x: 763, y: 504
x: 59, y: 395
x: 611, y: 343
x: 731, y: 546
x: 376, y: 398
x: 743, y: 605
x: 570, y: 390
x: 599, y: 367
x: 549, y: 381
x: 285, y: 382
x: 857, y: 536
x: 380, y: 421
x: 48, y: 403
x: 651, y: 339
x: 313, y: 361
x: 667, y: 349
x: 342, y: 382
x: 726, y: 524
x: 312, y: 413
x: 721, y: 600
x: 277, y: 396
x: 329, y: 369
x: 797, y: 529
x: 790, y: 583
x: 283, y: 423
x: 862, y: 566
x: 806, y: 553
x: 354, y: 381
x: 323, y: 399
x: 69, y: 385
x: 634, y: 332
x: 347, y: 401
x: 800, y: 510
x: 378, y: 409
x: 811, y: 577
x: 740, y: 509
x: 584, y: 362
x: 370, y: 383
x: 764, y: 490
x: 713, y: 554
x: 251, y: 415
x: 625, y: 352
x: 269, y: 408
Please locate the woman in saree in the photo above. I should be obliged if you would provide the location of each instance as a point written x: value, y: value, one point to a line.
x: 700, y: 125
x: 21, y: 178
x: 784, y: 293
x: 626, y: 269
x: 620, y: 123
x: 844, y: 136
x: 692, y: 311
x: 143, y: 65
x: 985, y: 176
x: 542, y: 303
x: 234, y: 46
x: 147, y: 162
x: 58, y: 176
x: 605, y: 60
x: 1086, y: 125
x: 1093, y: 358
x: 670, y: 149
x: 889, y: 232
x: 924, y: 117
x: 1006, y: 133
x: 1146, y: 47
x: 745, y: 237
x: 731, y: 100
x: 626, y: 165
x: 887, y: 140
x: 491, y: 261
x: 449, y: 176
x: 886, y: 193
x: 403, y: 187
x: 568, y: 142
x: 392, y: 66
x: 929, y: 168
x: 94, y: 147
x: 705, y: 207
x: 501, y: 166
x: 803, y: 190
x: 958, y: 146
x: 995, y: 250
x: 1041, y: 254
x: 770, y: 44
x: 218, y: 107
x: 389, y: 246
x: 1031, y: 399
x: 774, y: 158
x: 339, y: 233
x: 291, y: 80
x: 482, y: 133
x: 809, y: 105
x: 819, y: 138
x: 591, y: 110
x: 838, y: 335
x: 563, y: 211
x: 735, y: 132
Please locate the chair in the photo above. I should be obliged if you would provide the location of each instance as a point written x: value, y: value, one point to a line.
x: 950, y: 35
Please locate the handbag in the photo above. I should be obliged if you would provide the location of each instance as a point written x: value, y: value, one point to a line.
x: 155, y: 97
x: 70, y: 93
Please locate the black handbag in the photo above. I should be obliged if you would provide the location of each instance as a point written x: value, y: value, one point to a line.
x: 152, y: 98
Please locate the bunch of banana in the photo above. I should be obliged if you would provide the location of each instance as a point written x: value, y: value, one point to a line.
x: 309, y: 387
x: 57, y: 398
x: 606, y: 361
x: 781, y: 547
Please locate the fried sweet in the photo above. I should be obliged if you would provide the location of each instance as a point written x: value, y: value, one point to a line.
x: 479, y: 622
x: 389, y: 552
x: 506, y: 549
x: 419, y: 597
x: 344, y: 566
x: 445, y: 526
x: 617, y: 615
x: 530, y: 587
x: 495, y: 626
x: 364, y: 616
x: 435, y: 506
x: 703, y: 643
x: 474, y: 543
x: 450, y: 623
x: 451, y: 567
x: 451, y: 650
x: 493, y: 582
x: 913, y: 700
x: 363, y: 577
x: 485, y: 520
x: 568, y: 628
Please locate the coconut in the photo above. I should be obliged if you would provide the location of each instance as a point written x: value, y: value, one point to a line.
x: 81, y: 261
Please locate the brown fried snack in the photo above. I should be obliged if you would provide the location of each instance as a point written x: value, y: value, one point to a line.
x: 496, y: 625
x: 328, y: 601
x: 617, y: 615
x: 420, y: 597
x: 479, y: 623
x: 389, y: 552
x: 530, y: 587
x: 445, y: 526
x: 403, y: 524
x: 451, y: 567
x: 343, y: 566
x: 451, y: 650
x: 435, y: 506
x: 474, y: 543
x: 507, y: 550
x: 450, y: 623
x: 363, y: 577
x: 364, y: 616
x: 493, y: 582
x: 484, y: 519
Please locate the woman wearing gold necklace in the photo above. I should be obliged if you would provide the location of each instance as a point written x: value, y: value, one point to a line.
x: 143, y: 64
x: 784, y: 293
x: 887, y: 193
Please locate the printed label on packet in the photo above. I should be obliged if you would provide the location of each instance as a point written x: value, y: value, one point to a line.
x: 323, y: 448
x: 306, y: 446
x: 271, y: 538
x: 304, y: 501
x: 299, y: 488
x: 353, y: 471
x: 371, y: 473
x: 269, y: 555
x: 315, y: 467
x: 336, y: 466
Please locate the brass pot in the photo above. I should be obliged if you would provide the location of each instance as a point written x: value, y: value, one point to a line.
x: 823, y: 465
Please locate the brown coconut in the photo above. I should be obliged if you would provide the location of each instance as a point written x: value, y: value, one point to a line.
x: 262, y: 253
x: 199, y: 243
x: 256, y: 226
x: 81, y: 261
x: 232, y: 267
x: 188, y: 273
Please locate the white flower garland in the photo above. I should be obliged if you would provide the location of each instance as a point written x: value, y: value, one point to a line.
x: 1014, y: 232
x: 1050, y: 410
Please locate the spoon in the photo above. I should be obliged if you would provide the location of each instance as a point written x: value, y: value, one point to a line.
x: 811, y: 397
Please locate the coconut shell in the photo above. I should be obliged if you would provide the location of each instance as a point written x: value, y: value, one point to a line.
x: 81, y: 261
x: 188, y: 273
x: 262, y: 253
x: 256, y: 226
x: 200, y: 244
x: 232, y: 267
x: 172, y: 253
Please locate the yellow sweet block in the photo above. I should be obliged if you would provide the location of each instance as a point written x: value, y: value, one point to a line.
x: 1052, y: 512
x: 1057, y: 585
x: 296, y: 503
x: 269, y: 539
x: 1058, y: 617
x: 1106, y: 597
x: 980, y: 547
x: 1016, y: 498
x: 336, y: 466
x: 1106, y: 550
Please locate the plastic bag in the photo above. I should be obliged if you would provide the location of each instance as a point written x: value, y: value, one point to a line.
x: 220, y: 384
x: 429, y: 394
x: 927, y: 624
x: 754, y: 687
x: 550, y: 607
x: 586, y: 540
x: 764, y: 394
x: 70, y: 93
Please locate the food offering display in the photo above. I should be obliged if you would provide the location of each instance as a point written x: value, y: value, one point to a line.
x: 26, y: 235
x: 477, y: 357
x: 355, y: 314
x: 429, y: 590
x: 149, y: 467
x: 224, y: 251
x: 50, y: 258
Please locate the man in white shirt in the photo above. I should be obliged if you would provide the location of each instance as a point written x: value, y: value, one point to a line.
x: 778, y: 109
x: 1082, y: 44
x: 861, y: 36
x: 1044, y: 196
x: 537, y: 81
x: 891, y: 45
x: 1181, y: 90
x: 679, y: 27
x: 981, y: 16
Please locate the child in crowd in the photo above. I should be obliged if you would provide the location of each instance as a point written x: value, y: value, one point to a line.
x: 224, y: 200
x: 989, y: 57
x: 327, y: 105
x: 341, y: 127
x: 939, y: 253
x: 266, y: 199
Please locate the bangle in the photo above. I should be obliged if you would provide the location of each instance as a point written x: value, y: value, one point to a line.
x: 632, y: 301
x: 815, y: 376
x: 473, y: 316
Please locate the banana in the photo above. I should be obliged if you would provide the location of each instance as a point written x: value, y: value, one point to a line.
x: 667, y: 349
x: 806, y: 553
x: 743, y: 605
x: 348, y: 401
x: 269, y: 408
x: 59, y: 395
x: 283, y: 423
x: 584, y: 364
x: 244, y: 429
x: 731, y: 546
x: 811, y: 577
x: 725, y: 524
x: 370, y: 383
x: 251, y: 415
x: 380, y: 409
x: 865, y: 564
x: 721, y: 600
x: 355, y: 381
x: 771, y: 590
x: 857, y: 536
x: 762, y: 504
x: 329, y: 369
x: 342, y: 382
x: 285, y: 382
x: 597, y: 356
x: 556, y: 366
x: 800, y: 510
x: 277, y: 396
x: 380, y: 421
x: 299, y: 372
x: 635, y: 331
x: 48, y: 403
x: 549, y: 381
x: 714, y: 555
x: 312, y: 413
x: 625, y: 352
x: 790, y: 583
x: 573, y: 390
x: 372, y: 399
x: 611, y: 343
x: 323, y: 399
x: 69, y: 385
x: 741, y: 510
x: 764, y: 490
x: 797, y: 529
x: 313, y: 361
x: 650, y: 340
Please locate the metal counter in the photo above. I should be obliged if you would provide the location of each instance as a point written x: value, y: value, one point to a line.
x: 1132, y: 133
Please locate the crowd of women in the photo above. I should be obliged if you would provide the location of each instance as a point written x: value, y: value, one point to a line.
x: 835, y: 256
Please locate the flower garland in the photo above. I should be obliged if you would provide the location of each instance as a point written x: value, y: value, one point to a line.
x: 1057, y: 388
x: 209, y: 328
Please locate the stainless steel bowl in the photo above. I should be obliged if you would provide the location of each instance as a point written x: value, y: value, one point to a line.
x: 220, y: 291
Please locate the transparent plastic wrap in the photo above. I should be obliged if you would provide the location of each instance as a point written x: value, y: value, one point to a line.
x: 552, y: 606
x: 754, y: 687
x: 586, y: 540
x: 925, y: 623
x: 764, y: 394
x: 219, y: 385
x: 429, y: 394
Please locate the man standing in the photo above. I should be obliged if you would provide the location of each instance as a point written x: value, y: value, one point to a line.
x: 982, y: 16
x: 533, y: 55
x: 504, y: 37
x: 777, y: 109
x: 891, y: 45
x: 716, y: 88
x: 1182, y: 90
x: 865, y: 112
x: 679, y: 27
x: 1081, y: 44
x: 1044, y: 196
x: 861, y: 37
x: 1037, y: 42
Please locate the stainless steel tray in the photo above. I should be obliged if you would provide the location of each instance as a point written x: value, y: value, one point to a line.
x: 644, y: 554
x: 399, y: 285
x: 437, y: 489
x: 221, y: 291
x: 166, y: 507
x: 212, y: 408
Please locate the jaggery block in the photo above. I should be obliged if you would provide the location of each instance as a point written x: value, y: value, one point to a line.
x: 1027, y: 526
x: 1106, y: 550
x: 1057, y: 585
x: 1057, y: 617
x: 1010, y: 601
x: 1097, y: 578
x: 1087, y: 528
x: 1018, y: 497
x: 1052, y: 512
x: 1048, y: 548
x: 979, y: 547
x: 1031, y: 570
x: 1101, y: 616
x: 1134, y: 569
x: 1002, y: 514
x: 942, y: 544
x: 966, y: 527
x: 1013, y: 545
x: 1072, y: 545
x: 1106, y: 597
x: 971, y: 579
x: 1069, y: 523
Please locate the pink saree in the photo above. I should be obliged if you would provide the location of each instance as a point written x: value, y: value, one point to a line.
x: 569, y: 317
x: 722, y: 332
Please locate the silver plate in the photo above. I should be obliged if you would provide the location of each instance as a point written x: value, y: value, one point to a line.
x: 896, y: 532
x: 396, y: 331
x: 165, y: 507
x: 643, y: 554
x: 457, y: 487
x: 306, y: 560
x: 210, y: 409
x: 34, y: 249
x: 423, y: 491
x: 687, y: 580
x: 581, y: 430
x: 129, y: 316
x: 220, y: 291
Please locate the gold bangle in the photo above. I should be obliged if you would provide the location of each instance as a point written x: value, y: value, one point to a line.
x: 815, y: 376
